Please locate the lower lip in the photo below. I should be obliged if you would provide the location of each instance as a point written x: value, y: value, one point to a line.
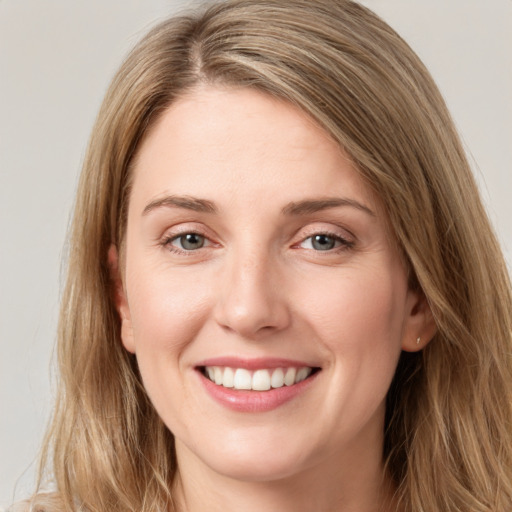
x: 254, y: 401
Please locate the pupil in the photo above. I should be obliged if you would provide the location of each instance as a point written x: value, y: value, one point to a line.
x: 192, y: 241
x: 323, y: 242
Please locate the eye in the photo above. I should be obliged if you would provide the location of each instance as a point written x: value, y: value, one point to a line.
x: 188, y: 242
x: 324, y: 242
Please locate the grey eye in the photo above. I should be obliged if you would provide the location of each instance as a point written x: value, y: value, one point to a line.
x: 190, y: 241
x: 323, y: 242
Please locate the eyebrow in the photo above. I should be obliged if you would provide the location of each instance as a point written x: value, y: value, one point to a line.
x: 186, y: 202
x: 315, y: 205
x: 305, y: 207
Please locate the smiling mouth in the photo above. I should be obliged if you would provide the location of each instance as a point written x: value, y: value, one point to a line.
x: 258, y: 380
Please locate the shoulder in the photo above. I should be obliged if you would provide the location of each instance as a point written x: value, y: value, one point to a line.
x: 21, y: 506
x: 43, y: 502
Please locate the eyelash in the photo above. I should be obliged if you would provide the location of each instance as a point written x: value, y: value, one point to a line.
x: 168, y: 240
x: 344, y: 244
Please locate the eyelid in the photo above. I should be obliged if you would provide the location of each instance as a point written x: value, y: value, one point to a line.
x: 345, y: 238
x: 207, y: 241
x: 340, y: 242
x: 183, y: 228
x: 322, y: 228
x: 175, y: 232
x: 337, y: 240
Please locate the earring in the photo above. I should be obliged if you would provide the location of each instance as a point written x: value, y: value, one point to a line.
x: 418, y: 340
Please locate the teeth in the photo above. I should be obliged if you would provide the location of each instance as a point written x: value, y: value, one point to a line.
x: 302, y: 374
x: 259, y: 380
x: 242, y: 379
x: 228, y: 380
x: 289, y: 377
x: 277, y: 380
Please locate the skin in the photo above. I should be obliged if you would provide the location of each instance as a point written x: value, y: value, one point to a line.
x: 259, y: 287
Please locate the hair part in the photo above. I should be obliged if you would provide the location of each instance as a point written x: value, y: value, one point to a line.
x: 449, y: 409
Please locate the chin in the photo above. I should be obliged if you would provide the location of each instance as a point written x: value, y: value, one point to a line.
x: 259, y: 459
x: 257, y: 469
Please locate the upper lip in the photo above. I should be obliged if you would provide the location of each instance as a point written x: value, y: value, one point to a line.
x: 255, y: 363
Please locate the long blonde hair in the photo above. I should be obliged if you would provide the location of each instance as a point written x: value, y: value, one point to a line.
x: 448, y: 442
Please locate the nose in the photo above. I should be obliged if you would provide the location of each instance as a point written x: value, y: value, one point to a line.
x: 251, y: 299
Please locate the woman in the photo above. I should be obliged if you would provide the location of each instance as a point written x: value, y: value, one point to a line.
x: 283, y: 291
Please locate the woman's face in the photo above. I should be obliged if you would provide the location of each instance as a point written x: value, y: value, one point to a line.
x: 256, y: 257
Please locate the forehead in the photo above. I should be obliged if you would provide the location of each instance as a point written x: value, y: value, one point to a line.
x: 242, y: 143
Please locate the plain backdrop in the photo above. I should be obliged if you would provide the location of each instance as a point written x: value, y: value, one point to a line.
x: 56, y: 60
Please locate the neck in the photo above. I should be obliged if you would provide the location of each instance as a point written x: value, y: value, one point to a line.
x: 351, y: 487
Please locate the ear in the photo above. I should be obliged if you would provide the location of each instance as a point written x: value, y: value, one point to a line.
x: 419, y: 325
x: 120, y: 299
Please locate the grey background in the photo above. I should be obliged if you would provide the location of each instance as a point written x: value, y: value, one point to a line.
x: 56, y: 59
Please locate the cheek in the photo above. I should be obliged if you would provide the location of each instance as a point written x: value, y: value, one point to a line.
x: 357, y: 306
x: 360, y: 324
x: 166, y: 309
x: 359, y: 318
